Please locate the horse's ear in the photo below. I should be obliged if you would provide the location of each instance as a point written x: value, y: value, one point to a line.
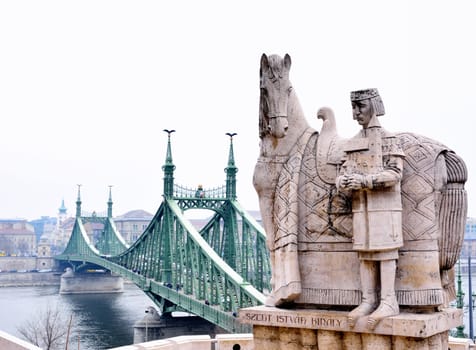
x: 287, y: 61
x: 264, y: 62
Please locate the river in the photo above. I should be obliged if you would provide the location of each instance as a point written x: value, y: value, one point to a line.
x: 102, y: 321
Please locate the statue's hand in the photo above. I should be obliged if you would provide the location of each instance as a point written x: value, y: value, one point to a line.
x: 355, y: 182
x: 341, y: 182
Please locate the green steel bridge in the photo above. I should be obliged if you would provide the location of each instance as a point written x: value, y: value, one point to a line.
x: 211, y: 272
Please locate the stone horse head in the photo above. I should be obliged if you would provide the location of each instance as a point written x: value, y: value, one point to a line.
x: 275, y: 90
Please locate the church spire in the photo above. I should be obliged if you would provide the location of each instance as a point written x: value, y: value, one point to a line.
x: 62, y: 214
x: 62, y: 210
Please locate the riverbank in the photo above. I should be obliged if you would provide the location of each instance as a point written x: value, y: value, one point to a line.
x: 34, y: 279
x: 29, y: 279
x: 26, y: 263
x: 100, y: 321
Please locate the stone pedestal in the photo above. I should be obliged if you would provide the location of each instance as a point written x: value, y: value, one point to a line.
x: 72, y: 283
x: 150, y: 328
x: 275, y: 328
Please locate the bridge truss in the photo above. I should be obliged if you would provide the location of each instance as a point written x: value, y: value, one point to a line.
x: 211, y: 272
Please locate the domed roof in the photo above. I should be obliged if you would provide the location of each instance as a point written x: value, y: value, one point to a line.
x: 136, y: 214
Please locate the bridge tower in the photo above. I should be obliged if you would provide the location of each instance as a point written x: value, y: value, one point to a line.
x: 168, y: 168
x: 211, y: 272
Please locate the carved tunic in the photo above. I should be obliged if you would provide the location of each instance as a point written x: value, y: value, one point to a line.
x: 377, y: 207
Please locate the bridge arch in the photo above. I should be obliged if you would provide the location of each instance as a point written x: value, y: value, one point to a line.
x: 211, y: 273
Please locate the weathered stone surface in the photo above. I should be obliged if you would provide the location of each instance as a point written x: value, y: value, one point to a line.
x: 335, y: 340
x: 459, y: 344
x: 404, y: 324
x: 275, y: 328
x: 230, y: 341
x: 266, y: 337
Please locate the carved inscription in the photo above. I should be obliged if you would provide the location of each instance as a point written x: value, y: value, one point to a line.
x: 257, y: 317
x: 325, y: 322
x: 300, y: 320
x: 293, y: 320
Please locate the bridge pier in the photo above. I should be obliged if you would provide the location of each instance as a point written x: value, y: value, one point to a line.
x: 85, y: 283
x: 153, y: 327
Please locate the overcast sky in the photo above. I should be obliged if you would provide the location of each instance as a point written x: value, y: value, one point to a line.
x: 86, y: 88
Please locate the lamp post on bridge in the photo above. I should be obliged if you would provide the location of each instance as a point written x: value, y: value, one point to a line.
x: 459, y: 302
x: 109, y: 203
x: 168, y: 168
x: 231, y: 170
x: 78, y: 202
x: 471, y: 297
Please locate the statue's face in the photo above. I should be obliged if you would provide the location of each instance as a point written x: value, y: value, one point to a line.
x: 362, y: 112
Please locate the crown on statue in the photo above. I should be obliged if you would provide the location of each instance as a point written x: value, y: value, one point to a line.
x: 360, y: 95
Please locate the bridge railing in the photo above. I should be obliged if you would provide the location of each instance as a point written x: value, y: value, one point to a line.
x: 210, y: 193
x: 93, y: 214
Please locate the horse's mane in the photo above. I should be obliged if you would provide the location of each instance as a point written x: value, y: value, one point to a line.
x: 263, y: 119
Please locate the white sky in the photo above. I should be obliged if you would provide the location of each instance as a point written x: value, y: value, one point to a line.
x: 86, y: 88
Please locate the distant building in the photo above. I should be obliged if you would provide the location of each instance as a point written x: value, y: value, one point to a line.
x: 44, y: 225
x: 17, y: 238
x: 59, y: 238
x: 44, y: 259
x: 44, y: 249
x: 55, y: 231
x: 132, y: 224
x: 469, y: 244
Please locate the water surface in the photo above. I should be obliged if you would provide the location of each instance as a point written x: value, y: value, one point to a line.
x: 101, y: 321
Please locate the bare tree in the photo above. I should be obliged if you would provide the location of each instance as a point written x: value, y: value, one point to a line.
x: 47, y: 329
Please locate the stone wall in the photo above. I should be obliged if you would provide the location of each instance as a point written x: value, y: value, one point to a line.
x: 9, y: 342
x: 204, y: 342
x: 24, y: 279
x: 9, y: 263
x: 197, y: 342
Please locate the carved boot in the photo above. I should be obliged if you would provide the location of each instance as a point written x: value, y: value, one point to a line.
x: 388, y: 307
x: 368, y: 279
x: 388, y: 301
